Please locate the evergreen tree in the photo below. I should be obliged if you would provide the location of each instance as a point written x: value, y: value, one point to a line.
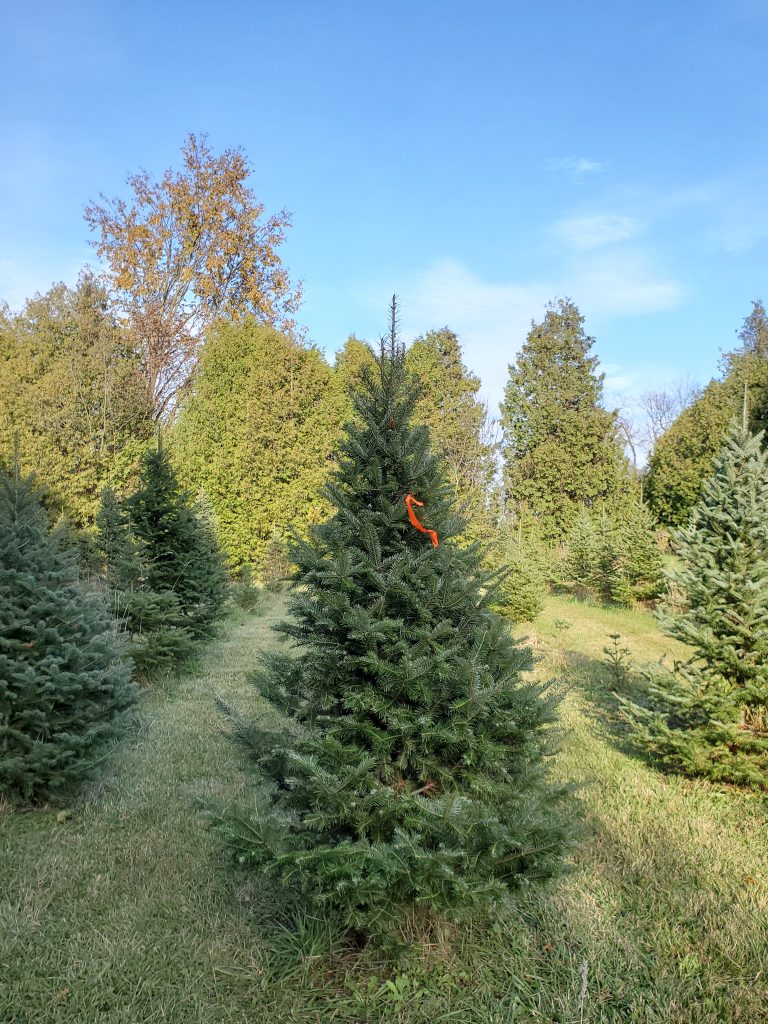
x: 581, y: 552
x: 684, y: 456
x: 257, y: 433
x: 158, y: 637
x: 642, y: 567
x: 277, y: 568
x: 410, y: 775
x: 64, y: 682
x: 457, y: 420
x: 560, y: 445
x: 711, y: 717
x: 71, y: 389
x: 180, y: 553
x: 521, y: 590
x: 617, y: 560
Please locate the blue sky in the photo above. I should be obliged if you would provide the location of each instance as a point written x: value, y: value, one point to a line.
x: 477, y: 159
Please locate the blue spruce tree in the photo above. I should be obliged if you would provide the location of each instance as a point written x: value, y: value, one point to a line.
x: 410, y: 771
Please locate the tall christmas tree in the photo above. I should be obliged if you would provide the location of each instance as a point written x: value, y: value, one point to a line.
x: 180, y: 551
x: 64, y: 682
x: 410, y: 775
x: 711, y: 717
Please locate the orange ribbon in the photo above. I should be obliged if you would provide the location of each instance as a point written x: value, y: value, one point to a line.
x: 410, y: 501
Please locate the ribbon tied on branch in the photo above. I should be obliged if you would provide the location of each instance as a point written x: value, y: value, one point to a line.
x: 410, y: 501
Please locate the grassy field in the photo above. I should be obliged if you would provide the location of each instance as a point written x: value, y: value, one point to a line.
x: 126, y: 910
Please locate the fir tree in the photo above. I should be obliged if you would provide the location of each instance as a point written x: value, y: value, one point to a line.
x: 581, y: 552
x: 616, y: 560
x: 639, y: 554
x: 181, y: 553
x: 711, y: 717
x: 410, y: 775
x: 277, y: 568
x: 64, y: 682
x: 521, y: 590
x: 158, y: 637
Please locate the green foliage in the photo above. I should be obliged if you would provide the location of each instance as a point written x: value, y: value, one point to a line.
x: 560, y: 447
x: 277, y: 571
x: 411, y: 772
x: 256, y: 433
x: 640, y: 553
x: 521, y: 590
x: 179, y: 552
x: 617, y: 659
x: 685, y: 455
x: 615, y: 559
x: 158, y: 637
x: 71, y: 388
x: 448, y: 405
x: 581, y: 552
x: 711, y: 717
x: 64, y: 681
x: 245, y: 591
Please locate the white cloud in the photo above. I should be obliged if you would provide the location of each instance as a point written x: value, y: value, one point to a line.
x: 622, y: 285
x: 493, y: 318
x: 596, y: 230
x: 577, y: 167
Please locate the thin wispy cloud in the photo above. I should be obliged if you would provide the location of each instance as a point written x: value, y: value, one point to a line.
x: 623, y: 284
x: 492, y: 318
x: 577, y: 167
x: 594, y: 231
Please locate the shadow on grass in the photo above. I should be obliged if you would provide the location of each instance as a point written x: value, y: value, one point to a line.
x: 601, y: 685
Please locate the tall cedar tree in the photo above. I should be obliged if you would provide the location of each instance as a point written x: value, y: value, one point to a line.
x: 256, y: 433
x: 684, y: 456
x: 711, y: 717
x: 410, y: 776
x: 65, y: 686
x: 71, y: 390
x: 158, y: 637
x: 181, y: 553
x: 560, y: 449
x: 458, y: 424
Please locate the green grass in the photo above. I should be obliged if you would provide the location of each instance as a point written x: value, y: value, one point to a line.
x: 128, y: 911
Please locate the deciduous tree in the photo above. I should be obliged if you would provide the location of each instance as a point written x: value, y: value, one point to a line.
x: 184, y: 250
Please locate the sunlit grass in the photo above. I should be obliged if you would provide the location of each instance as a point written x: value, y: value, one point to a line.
x: 129, y: 912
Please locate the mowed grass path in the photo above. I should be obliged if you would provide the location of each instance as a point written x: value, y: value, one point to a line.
x: 129, y: 912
